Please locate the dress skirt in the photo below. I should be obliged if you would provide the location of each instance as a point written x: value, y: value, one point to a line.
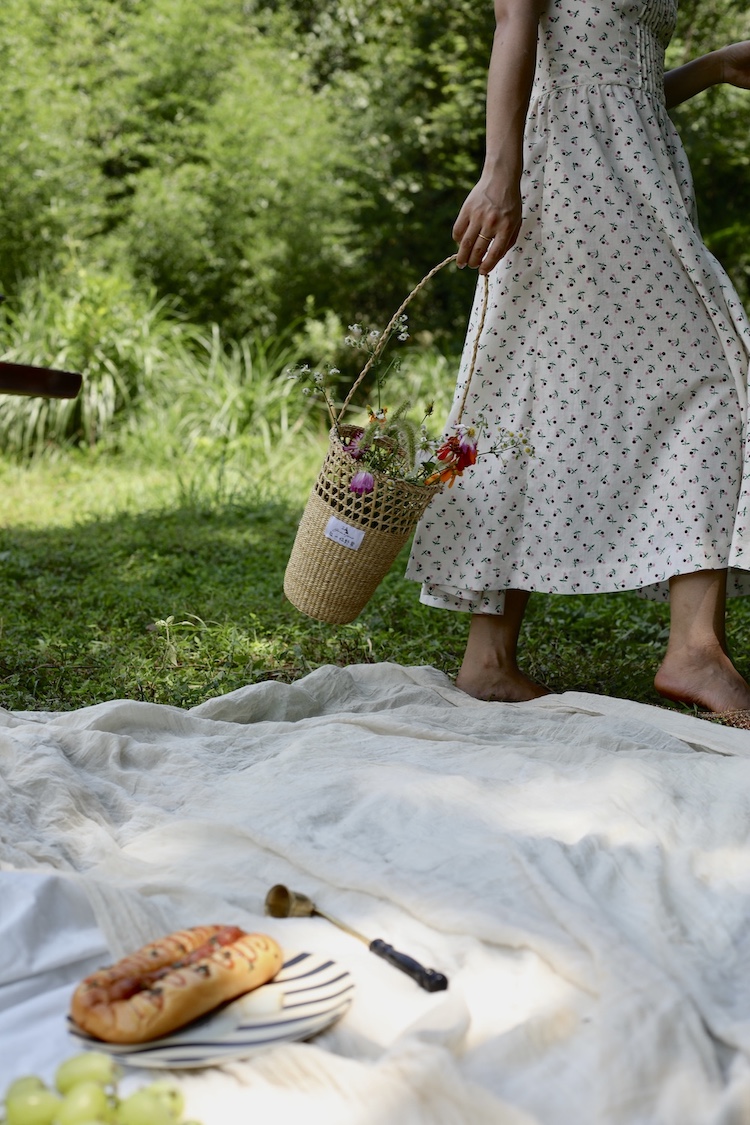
x: 613, y: 338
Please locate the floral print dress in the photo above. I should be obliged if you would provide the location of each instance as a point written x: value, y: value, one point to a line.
x: 613, y: 338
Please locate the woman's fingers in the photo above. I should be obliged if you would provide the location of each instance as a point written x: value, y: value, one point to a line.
x: 470, y: 247
x: 485, y: 231
x: 482, y: 248
x: 495, y: 252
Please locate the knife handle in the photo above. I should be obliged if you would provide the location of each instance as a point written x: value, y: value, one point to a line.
x: 427, y: 979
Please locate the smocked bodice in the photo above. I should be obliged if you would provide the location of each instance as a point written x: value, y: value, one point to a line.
x: 610, y: 41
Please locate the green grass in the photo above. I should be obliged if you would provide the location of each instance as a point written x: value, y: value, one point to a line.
x: 165, y: 584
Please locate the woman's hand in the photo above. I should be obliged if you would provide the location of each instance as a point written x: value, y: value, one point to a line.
x: 488, y: 223
x: 736, y: 64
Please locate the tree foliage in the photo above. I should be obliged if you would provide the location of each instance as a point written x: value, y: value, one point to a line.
x: 254, y: 158
x: 715, y: 129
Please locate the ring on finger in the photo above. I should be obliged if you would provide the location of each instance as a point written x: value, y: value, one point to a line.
x: 486, y: 237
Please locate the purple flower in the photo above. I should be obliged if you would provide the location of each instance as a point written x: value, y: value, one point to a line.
x: 362, y: 482
x: 352, y: 446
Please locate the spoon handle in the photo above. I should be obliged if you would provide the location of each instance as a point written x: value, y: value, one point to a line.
x: 425, y: 978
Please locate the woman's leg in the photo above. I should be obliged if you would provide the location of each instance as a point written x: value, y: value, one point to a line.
x: 697, y: 668
x: 489, y: 669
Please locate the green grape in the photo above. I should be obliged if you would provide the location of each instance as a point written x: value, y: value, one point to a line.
x: 91, y: 1066
x: 84, y: 1102
x: 24, y: 1085
x: 170, y: 1095
x: 34, y: 1107
x: 142, y: 1108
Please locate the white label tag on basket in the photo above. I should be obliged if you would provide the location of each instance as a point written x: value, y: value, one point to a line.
x: 342, y: 533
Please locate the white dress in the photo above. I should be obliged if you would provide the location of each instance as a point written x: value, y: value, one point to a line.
x: 613, y: 337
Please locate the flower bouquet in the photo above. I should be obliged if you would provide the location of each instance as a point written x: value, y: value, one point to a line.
x: 375, y: 483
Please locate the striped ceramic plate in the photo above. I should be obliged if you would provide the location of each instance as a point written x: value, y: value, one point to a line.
x: 307, y: 995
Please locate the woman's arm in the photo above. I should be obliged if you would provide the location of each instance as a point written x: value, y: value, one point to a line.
x: 730, y: 64
x: 493, y: 207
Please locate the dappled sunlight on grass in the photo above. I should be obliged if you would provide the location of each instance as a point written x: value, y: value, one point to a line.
x: 98, y: 553
x: 65, y: 488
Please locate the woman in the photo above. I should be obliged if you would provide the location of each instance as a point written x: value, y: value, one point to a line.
x: 613, y: 338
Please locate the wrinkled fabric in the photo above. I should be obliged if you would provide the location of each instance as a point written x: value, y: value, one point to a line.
x: 579, y: 867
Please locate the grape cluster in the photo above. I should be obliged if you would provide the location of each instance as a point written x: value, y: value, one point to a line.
x: 86, y: 1094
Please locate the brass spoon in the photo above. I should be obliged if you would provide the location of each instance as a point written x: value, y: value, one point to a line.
x: 283, y: 903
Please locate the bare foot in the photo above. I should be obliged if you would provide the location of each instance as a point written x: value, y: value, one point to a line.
x: 499, y: 687
x: 489, y: 670
x: 708, y: 680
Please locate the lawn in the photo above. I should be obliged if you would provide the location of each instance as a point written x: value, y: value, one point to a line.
x: 164, y: 583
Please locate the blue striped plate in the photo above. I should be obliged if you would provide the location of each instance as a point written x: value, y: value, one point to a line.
x: 307, y: 995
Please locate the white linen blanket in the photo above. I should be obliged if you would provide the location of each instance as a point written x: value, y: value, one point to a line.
x: 579, y: 867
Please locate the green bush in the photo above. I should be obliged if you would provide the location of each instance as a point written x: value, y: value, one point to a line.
x: 257, y: 220
x: 715, y: 129
x: 88, y: 321
x: 50, y: 188
x: 146, y: 373
x: 243, y: 157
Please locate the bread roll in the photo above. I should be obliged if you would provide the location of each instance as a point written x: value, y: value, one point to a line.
x: 170, y: 982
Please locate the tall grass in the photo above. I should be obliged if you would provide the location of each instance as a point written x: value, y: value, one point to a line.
x: 220, y: 390
x: 142, y: 365
x: 88, y: 321
x: 154, y: 382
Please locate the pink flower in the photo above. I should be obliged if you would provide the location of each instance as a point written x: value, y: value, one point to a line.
x: 352, y: 446
x: 362, y: 482
x: 467, y: 443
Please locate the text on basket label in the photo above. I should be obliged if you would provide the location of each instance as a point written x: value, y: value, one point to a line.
x: 342, y: 533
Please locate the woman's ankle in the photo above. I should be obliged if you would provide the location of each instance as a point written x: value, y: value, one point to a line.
x: 704, y: 676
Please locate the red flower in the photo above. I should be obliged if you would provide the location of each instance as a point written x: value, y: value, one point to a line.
x: 458, y: 451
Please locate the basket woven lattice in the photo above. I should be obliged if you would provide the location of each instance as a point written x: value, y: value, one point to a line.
x: 346, y: 542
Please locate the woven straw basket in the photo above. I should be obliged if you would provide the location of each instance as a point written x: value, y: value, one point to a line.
x: 346, y: 543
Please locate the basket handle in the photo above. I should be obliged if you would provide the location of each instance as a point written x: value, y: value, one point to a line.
x: 386, y: 335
